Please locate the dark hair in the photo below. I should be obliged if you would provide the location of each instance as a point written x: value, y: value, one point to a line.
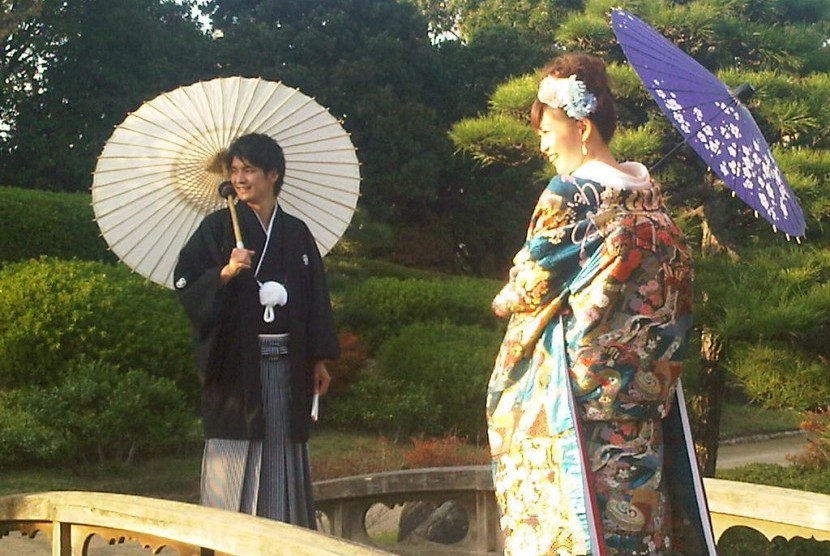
x: 259, y: 150
x: 591, y: 71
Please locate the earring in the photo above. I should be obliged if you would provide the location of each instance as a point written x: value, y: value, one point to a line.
x: 584, y: 149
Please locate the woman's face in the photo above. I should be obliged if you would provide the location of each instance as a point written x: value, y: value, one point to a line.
x: 560, y: 140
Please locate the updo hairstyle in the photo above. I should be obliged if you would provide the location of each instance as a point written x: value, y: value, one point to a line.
x: 591, y: 71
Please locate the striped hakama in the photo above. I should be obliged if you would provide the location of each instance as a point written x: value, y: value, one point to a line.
x: 270, y: 478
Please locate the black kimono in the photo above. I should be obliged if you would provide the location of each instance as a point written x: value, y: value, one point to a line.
x: 228, y: 319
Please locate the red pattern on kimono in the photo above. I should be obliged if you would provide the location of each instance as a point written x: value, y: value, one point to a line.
x: 600, y: 301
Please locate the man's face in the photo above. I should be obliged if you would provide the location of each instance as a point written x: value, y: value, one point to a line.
x: 252, y: 184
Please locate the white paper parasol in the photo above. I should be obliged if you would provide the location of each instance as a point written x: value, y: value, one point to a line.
x: 158, y: 174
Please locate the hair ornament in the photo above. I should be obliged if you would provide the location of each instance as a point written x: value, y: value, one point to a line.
x: 569, y: 94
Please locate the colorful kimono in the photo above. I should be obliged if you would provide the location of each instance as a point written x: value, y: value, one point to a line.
x: 591, y: 447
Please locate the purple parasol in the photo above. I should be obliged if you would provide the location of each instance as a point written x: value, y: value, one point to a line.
x: 712, y: 120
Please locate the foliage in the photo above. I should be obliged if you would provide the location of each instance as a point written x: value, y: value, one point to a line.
x: 75, y: 71
x: 353, y: 358
x: 816, y: 426
x: 811, y: 479
x: 449, y: 450
x: 54, y: 314
x: 771, y: 306
x: 779, y: 376
x: 331, y: 49
x: 13, y: 13
x: 23, y: 439
x: 745, y: 541
x: 429, y: 379
x: 495, y: 138
x: 380, y: 307
x: 98, y: 413
x: 366, y: 237
x: 381, y: 405
x: 536, y: 19
x: 47, y: 223
x: 451, y: 363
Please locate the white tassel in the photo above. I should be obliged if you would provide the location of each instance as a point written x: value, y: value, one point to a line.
x: 272, y: 294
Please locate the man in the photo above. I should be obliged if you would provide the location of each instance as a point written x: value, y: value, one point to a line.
x: 263, y: 328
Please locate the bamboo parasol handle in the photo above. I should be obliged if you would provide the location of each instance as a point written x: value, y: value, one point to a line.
x: 226, y: 191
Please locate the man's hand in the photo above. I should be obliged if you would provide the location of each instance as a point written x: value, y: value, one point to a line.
x: 240, y: 260
x: 321, y: 378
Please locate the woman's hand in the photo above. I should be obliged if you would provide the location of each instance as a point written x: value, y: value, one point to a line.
x: 240, y: 259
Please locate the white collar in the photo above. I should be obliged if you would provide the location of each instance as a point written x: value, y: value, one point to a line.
x: 629, y: 175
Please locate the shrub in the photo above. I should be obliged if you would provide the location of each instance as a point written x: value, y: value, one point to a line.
x: 56, y: 313
x: 49, y: 223
x: 429, y: 379
x: 23, y: 439
x: 366, y: 237
x: 380, y: 307
x: 378, y: 404
x: 453, y: 362
x: 447, y: 451
x: 353, y: 358
x: 816, y: 426
x: 811, y: 479
x: 100, y: 413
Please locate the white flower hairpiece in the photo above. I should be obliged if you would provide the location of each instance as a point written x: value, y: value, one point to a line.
x: 568, y: 93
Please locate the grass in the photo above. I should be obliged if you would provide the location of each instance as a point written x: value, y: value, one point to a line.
x: 174, y: 478
x: 745, y: 420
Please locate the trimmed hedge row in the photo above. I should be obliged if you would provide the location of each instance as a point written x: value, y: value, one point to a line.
x: 380, y: 307
x: 39, y: 223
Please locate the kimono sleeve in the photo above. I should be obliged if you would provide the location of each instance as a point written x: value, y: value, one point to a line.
x: 322, y: 333
x: 196, y: 278
x: 551, y: 255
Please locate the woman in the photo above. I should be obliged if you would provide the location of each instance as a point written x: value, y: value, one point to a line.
x: 263, y: 328
x: 591, y: 453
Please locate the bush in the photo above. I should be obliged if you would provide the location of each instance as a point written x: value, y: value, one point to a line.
x: 23, y: 439
x: 429, y: 379
x: 378, y: 404
x: 798, y: 477
x: 97, y: 413
x: 354, y: 357
x: 54, y: 314
x: 380, y: 307
x: 816, y: 426
x: 39, y: 223
x: 777, y: 376
x: 453, y: 362
x: 447, y: 451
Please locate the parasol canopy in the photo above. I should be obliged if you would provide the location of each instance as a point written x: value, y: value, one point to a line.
x: 712, y: 120
x: 157, y: 176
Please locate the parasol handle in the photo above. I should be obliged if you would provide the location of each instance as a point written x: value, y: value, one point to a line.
x: 226, y: 191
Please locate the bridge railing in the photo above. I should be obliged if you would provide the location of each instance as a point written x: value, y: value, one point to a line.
x: 461, y: 498
x: 347, y: 502
x: 70, y: 519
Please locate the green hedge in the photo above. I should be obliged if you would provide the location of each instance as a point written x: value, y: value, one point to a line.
x: 39, y: 223
x: 97, y: 413
x: 431, y: 378
x: 56, y: 313
x: 380, y: 307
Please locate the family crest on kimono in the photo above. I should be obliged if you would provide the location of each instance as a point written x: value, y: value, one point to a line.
x: 588, y: 432
x: 263, y: 328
